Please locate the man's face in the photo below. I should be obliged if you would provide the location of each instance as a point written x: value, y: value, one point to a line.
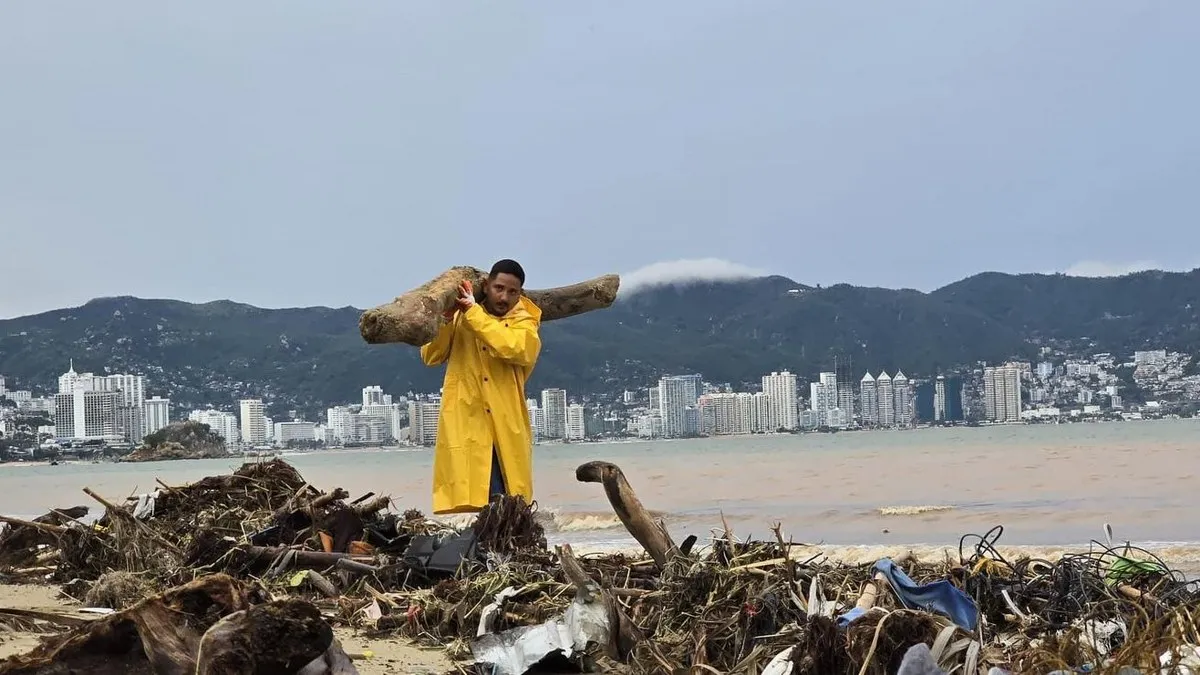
x: 501, y: 293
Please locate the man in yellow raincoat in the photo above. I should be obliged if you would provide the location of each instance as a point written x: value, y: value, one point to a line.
x: 484, y: 440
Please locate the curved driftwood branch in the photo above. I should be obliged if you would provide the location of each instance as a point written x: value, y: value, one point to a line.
x: 413, y: 318
x: 650, y: 534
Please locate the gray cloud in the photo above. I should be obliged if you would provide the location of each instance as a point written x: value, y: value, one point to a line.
x: 308, y: 153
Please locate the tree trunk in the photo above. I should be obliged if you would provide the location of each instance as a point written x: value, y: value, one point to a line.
x: 414, y: 318
x: 650, y: 534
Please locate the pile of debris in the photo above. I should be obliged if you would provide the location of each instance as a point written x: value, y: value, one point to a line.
x: 261, y: 550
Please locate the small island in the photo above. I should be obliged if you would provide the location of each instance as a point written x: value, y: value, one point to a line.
x: 180, y: 440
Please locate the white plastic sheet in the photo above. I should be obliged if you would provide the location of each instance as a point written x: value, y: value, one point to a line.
x: 515, y: 651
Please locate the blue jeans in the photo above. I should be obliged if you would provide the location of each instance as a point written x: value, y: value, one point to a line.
x: 497, y: 486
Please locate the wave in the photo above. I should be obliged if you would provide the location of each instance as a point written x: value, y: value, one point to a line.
x: 913, y: 510
x: 582, y: 521
x: 1181, y: 556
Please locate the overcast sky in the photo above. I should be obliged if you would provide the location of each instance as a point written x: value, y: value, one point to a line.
x: 301, y: 152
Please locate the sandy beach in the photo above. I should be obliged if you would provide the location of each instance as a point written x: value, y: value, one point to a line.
x: 392, y: 655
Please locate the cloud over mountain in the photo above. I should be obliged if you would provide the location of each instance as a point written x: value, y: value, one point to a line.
x: 686, y: 271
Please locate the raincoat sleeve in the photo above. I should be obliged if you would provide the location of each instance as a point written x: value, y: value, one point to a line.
x: 436, y: 351
x: 513, y: 340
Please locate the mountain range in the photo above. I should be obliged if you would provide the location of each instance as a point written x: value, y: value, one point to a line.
x: 730, y: 331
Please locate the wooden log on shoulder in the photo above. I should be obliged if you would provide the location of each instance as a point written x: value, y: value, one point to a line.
x: 650, y: 534
x: 414, y: 318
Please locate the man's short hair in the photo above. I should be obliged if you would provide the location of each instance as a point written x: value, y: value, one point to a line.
x: 507, y: 266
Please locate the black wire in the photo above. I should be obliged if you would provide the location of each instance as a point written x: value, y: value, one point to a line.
x: 1074, y: 587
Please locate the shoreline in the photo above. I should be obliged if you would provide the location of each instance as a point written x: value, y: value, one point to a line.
x: 625, y: 440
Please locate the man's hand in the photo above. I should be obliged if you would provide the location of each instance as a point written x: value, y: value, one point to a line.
x: 466, y: 296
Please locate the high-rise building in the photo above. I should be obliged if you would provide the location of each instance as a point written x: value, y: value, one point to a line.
x: 3, y: 389
x: 676, y: 395
x: 71, y: 381
x: 131, y: 387
x: 576, y: 423
x: 341, y: 424
x: 373, y: 425
x: 128, y: 416
x: 1002, y: 393
x: 378, y: 420
x: 372, y: 395
x: 887, y: 399
x: 780, y: 389
x: 156, y: 415
x: 423, y: 421
x: 740, y: 413
x: 823, y: 398
x: 537, y: 419
x: 903, y: 393
x: 88, y: 415
x: 554, y: 406
x: 842, y: 368
x: 939, y: 399
x: 253, y: 422
x: 221, y: 423
x: 868, y: 396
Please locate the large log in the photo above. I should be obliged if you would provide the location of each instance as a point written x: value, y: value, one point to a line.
x: 413, y: 318
x: 650, y: 534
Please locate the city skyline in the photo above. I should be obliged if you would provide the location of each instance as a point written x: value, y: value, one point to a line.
x: 114, y: 407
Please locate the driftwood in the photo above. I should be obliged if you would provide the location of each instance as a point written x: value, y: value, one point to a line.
x: 413, y: 318
x: 373, y: 505
x: 33, y: 525
x: 159, y: 635
x: 329, y: 498
x: 650, y: 534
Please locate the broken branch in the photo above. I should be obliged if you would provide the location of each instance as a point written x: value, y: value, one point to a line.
x: 42, y: 527
x: 651, y: 535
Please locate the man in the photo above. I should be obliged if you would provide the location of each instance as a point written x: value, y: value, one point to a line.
x: 484, y: 440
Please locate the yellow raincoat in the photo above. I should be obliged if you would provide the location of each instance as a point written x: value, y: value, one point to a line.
x: 488, y: 359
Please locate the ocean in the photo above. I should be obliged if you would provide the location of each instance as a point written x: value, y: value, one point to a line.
x: 852, y: 495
